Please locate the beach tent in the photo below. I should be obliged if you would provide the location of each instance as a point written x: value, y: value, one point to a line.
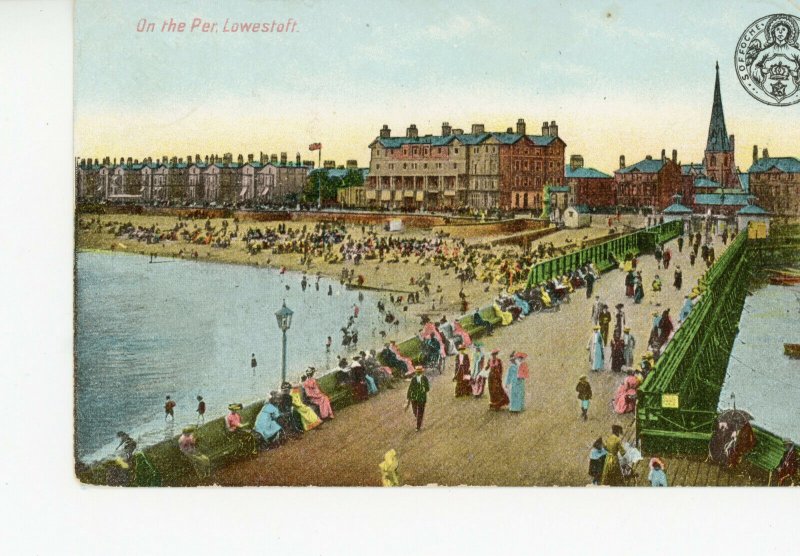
x: 396, y: 225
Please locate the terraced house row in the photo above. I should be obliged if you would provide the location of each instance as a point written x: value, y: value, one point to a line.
x: 481, y: 170
x: 215, y: 179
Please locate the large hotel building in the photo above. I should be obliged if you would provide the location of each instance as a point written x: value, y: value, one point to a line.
x: 481, y: 170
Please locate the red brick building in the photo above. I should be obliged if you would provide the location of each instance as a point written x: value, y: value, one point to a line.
x: 648, y: 183
x: 590, y: 187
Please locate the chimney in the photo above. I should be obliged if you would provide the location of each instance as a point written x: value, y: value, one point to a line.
x: 351, y: 164
x: 509, y: 130
x: 164, y: 159
x: 308, y: 163
x: 674, y: 156
x: 545, y: 129
x: 297, y: 159
x: 206, y: 160
x: 273, y: 159
x: 755, y: 154
x: 196, y: 158
x: 621, y: 161
x: 458, y: 131
x: 130, y: 161
x: 240, y: 159
x: 649, y: 157
x: 663, y: 155
x: 765, y: 153
x: 180, y: 161
x: 385, y: 131
x: 553, y: 129
x: 446, y: 129
x: 477, y: 128
x: 733, y: 142
x: 411, y: 132
x: 250, y: 158
x: 575, y: 162
x: 284, y: 158
x: 520, y: 127
x: 329, y: 164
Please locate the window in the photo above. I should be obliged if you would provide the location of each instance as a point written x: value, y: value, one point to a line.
x: 456, y: 150
x: 475, y: 150
x: 455, y: 165
x: 405, y: 165
x: 425, y: 165
x: 377, y: 166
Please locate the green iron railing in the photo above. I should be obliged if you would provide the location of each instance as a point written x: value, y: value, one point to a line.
x: 677, y: 404
x: 641, y: 241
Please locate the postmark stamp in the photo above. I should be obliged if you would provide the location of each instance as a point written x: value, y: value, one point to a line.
x: 767, y: 59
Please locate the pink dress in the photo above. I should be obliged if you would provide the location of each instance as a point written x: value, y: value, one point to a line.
x: 625, y: 398
x: 319, y: 398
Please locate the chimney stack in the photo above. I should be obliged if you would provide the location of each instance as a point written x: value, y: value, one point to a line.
x: 545, y: 129
x: 575, y: 162
x: 385, y: 131
x: 765, y: 153
x: 733, y: 142
x: 477, y: 128
x: 284, y: 158
x: 329, y: 164
x: 411, y: 132
x: 446, y: 129
x: 240, y: 159
x: 663, y: 155
x: 649, y: 157
x: 520, y: 127
x: 755, y: 154
x: 351, y: 164
x: 273, y: 158
x: 674, y: 156
x: 553, y: 129
x: 509, y: 130
x: 458, y: 131
x: 250, y: 158
x: 621, y: 161
x: 297, y: 159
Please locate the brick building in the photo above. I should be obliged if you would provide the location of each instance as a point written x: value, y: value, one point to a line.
x: 775, y: 182
x: 480, y: 169
x: 589, y: 187
x: 648, y: 183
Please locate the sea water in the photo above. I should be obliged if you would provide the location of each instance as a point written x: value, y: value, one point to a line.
x: 186, y: 328
x: 765, y: 382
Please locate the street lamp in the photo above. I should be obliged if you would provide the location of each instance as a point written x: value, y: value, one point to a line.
x: 284, y: 317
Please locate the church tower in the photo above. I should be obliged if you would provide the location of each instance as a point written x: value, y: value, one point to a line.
x: 719, y: 157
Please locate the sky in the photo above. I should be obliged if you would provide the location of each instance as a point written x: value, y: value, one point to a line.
x: 619, y: 77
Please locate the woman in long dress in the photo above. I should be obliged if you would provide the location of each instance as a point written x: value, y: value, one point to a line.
x: 307, y: 415
x: 497, y: 394
x: 625, y: 398
x: 478, y: 376
x: 317, y: 396
x: 595, y: 347
x: 515, y: 381
x: 463, y: 375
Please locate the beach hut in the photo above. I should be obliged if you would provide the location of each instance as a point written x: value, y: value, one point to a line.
x: 577, y: 216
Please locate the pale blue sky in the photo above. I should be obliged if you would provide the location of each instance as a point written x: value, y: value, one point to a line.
x: 620, y: 77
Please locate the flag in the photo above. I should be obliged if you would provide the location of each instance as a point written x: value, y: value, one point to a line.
x: 315, y: 147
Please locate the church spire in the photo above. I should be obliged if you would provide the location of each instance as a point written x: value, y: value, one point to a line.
x: 718, y: 140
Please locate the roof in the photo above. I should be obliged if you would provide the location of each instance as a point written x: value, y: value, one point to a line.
x: 646, y: 166
x: 559, y: 189
x: 677, y: 208
x: 718, y: 140
x: 752, y: 210
x: 583, y: 173
x: 341, y: 172
x: 698, y: 168
x: 787, y: 164
x: 705, y: 183
x: 580, y: 209
x: 719, y: 199
x: 744, y: 181
x: 464, y: 138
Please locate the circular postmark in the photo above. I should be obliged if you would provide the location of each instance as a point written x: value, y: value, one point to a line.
x: 767, y: 59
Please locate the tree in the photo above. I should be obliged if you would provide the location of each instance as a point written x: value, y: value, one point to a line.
x: 328, y: 185
x: 353, y: 178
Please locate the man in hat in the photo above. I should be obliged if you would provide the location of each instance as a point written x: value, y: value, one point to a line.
x: 678, y: 281
x: 462, y: 374
x: 584, y: 390
x: 604, y: 320
x: 628, y: 345
x: 620, y: 320
x: 417, y: 395
x: 595, y: 348
x: 253, y: 362
x: 597, y: 308
x: 498, y: 398
x: 589, y: 279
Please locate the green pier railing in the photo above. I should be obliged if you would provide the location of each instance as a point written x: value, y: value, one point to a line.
x: 641, y: 241
x: 677, y: 403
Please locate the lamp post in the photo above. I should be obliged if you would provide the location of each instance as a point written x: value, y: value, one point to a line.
x: 284, y: 317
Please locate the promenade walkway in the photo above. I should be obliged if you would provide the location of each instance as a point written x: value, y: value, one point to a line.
x: 462, y: 442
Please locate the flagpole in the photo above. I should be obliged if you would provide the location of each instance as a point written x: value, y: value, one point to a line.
x: 319, y: 185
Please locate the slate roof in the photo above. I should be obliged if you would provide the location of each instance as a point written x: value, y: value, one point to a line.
x: 753, y: 210
x: 646, y: 166
x: 583, y: 173
x: 718, y: 199
x: 677, y: 208
x: 718, y: 140
x: 705, y: 183
x: 580, y: 209
x: 744, y: 181
x: 787, y: 164
x: 559, y: 189
x: 686, y: 169
x: 465, y: 138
